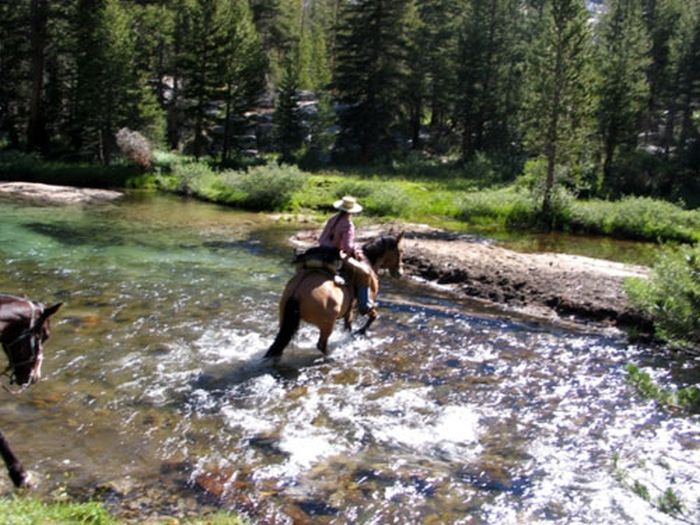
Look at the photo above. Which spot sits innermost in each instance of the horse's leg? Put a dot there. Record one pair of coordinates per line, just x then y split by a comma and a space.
347, 320
289, 323
326, 329
17, 473
371, 316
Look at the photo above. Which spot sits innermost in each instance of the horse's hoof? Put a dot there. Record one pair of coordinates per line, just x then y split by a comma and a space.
272, 360
22, 480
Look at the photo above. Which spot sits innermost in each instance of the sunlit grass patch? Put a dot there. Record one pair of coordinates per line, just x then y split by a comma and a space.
639, 218
30, 511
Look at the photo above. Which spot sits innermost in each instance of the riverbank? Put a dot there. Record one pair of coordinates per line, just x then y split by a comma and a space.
552, 286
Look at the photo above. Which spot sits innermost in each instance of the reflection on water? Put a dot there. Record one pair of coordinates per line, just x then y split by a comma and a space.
155, 389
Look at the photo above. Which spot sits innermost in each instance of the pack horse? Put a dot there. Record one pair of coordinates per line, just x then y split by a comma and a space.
24, 327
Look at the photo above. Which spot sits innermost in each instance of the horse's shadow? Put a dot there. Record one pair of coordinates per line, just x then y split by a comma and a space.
240, 373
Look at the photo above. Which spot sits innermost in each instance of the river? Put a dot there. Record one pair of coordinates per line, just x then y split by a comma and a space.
155, 398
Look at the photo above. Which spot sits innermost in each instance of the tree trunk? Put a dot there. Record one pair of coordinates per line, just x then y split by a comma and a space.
226, 145
37, 138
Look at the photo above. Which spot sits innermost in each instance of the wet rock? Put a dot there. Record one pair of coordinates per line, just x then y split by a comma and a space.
297, 515
159, 349
82, 320
268, 444
214, 482
345, 377
297, 393
54, 194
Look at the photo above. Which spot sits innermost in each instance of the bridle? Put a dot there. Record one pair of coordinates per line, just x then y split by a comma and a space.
34, 345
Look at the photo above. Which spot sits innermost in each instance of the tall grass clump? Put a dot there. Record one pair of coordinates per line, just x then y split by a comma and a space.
269, 187
30, 511
379, 198
671, 296
503, 206
640, 218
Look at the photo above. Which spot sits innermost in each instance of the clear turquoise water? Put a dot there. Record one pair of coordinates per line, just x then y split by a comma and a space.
154, 388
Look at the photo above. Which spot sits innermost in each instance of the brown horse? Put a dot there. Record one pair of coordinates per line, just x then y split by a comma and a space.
314, 296
24, 326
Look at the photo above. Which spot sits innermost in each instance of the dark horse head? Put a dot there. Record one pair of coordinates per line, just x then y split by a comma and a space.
385, 252
24, 326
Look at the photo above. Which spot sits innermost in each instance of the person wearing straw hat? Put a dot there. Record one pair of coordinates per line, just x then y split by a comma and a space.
339, 234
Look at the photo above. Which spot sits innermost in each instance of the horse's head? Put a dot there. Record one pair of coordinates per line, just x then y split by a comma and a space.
25, 326
386, 252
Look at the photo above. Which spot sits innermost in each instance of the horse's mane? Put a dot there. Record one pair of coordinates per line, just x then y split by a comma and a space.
375, 248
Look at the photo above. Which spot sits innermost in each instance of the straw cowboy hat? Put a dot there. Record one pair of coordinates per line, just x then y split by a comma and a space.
348, 204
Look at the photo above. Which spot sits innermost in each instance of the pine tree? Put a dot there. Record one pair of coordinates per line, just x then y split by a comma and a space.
687, 67
277, 23
320, 70
13, 70
559, 83
370, 75
624, 91
287, 118
244, 68
662, 20
488, 83
202, 66
437, 53
37, 135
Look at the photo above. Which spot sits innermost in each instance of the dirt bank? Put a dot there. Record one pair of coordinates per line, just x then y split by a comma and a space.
50, 194
544, 285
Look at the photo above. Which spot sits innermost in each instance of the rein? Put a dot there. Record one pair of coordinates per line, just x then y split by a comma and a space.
33, 345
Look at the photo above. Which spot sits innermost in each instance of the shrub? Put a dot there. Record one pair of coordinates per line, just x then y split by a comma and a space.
188, 178
481, 168
268, 187
135, 147
389, 200
672, 296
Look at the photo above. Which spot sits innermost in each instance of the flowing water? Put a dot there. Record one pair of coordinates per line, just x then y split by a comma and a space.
155, 398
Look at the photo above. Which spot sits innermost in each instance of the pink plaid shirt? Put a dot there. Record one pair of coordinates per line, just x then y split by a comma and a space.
339, 233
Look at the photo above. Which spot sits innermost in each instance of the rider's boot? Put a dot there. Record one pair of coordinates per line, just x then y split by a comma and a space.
365, 303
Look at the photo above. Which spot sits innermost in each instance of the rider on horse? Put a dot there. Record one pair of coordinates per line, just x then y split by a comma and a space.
337, 244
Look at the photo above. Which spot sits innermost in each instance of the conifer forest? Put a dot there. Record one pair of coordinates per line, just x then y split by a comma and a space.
605, 96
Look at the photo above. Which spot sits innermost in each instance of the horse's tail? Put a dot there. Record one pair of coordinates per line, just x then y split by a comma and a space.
288, 327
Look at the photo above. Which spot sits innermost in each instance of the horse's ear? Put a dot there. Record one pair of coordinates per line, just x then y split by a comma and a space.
49, 311
399, 236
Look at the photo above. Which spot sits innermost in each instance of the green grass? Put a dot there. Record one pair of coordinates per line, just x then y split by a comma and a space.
638, 218
31, 511
687, 398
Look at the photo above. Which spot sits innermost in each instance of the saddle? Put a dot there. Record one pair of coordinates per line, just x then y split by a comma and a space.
319, 258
